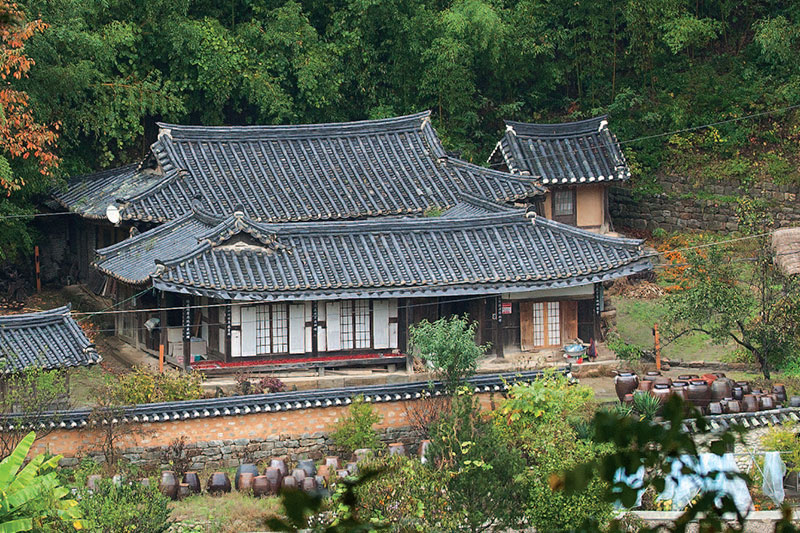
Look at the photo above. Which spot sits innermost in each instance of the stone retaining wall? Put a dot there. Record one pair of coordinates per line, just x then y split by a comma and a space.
683, 205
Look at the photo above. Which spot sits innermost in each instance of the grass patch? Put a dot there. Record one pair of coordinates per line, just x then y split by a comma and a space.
635, 319
229, 513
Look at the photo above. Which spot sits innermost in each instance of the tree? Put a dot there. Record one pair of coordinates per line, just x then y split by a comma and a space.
29, 398
448, 346
757, 309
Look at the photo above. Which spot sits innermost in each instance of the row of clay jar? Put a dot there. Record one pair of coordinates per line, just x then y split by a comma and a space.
711, 393
306, 475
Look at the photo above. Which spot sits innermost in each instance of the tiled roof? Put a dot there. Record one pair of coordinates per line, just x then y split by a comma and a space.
758, 419
573, 152
47, 339
311, 172
90, 195
287, 401
506, 251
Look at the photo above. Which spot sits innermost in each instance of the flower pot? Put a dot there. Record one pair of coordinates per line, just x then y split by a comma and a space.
244, 468
261, 486
625, 383
193, 480
168, 485
219, 483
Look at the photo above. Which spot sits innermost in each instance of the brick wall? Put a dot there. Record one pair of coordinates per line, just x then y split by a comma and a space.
226, 441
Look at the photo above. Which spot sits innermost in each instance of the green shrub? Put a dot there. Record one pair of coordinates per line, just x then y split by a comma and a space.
646, 404
356, 430
624, 350
142, 386
448, 347
484, 473
127, 507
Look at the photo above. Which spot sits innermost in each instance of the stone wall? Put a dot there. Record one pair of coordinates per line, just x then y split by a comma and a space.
225, 441
684, 205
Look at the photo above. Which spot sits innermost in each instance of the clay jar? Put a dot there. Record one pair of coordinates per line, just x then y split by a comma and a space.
168, 485
332, 462
92, 481
246, 482
779, 390
244, 468
721, 388
307, 465
645, 385
661, 391
425, 445
628, 400
193, 480
625, 383
184, 491
280, 464
397, 448
745, 385
738, 393
715, 408
767, 402
733, 406
699, 393
750, 403
309, 485
680, 389
261, 486
275, 478
218, 483
651, 375
289, 483
299, 475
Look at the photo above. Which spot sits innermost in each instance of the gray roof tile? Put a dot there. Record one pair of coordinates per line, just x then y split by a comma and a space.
308, 172
504, 251
573, 152
47, 339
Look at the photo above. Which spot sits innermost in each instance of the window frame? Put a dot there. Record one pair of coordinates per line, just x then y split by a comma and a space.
267, 319
350, 309
543, 326
562, 194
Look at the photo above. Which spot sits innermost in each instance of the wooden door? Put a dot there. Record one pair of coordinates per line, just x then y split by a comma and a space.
526, 325
569, 321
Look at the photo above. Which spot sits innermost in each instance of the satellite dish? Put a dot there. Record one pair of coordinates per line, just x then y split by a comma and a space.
112, 214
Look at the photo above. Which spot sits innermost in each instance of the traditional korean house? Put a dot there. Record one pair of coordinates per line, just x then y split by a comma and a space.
576, 161
236, 288
50, 340
314, 172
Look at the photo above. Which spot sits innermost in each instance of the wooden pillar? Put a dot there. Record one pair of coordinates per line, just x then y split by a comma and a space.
314, 328
498, 326
163, 342
402, 325
187, 333
228, 330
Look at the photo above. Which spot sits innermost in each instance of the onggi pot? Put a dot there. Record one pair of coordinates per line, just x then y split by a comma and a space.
219, 483
168, 485
625, 383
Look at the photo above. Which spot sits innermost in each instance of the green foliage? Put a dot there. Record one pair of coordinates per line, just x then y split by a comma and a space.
646, 405
759, 310
125, 508
783, 438
143, 386
448, 346
31, 396
31, 497
356, 430
535, 419
624, 350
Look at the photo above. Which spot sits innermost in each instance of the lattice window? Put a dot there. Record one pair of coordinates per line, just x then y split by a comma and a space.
356, 325
563, 202
553, 323
538, 324
546, 324
272, 328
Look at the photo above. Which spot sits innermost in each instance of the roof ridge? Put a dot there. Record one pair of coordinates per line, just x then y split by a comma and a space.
558, 129
25, 319
623, 241
399, 123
